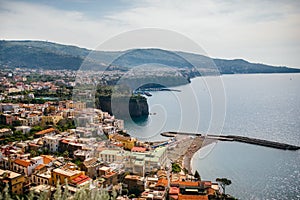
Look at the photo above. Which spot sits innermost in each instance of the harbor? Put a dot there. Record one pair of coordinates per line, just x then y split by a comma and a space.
235, 138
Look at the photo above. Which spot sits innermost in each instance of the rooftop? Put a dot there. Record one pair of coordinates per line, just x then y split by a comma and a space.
21, 162
43, 132
11, 174
66, 172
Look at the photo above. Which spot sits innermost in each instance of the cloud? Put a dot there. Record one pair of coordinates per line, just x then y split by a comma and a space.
259, 31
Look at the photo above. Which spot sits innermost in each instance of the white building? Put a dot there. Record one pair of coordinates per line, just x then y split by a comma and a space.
51, 142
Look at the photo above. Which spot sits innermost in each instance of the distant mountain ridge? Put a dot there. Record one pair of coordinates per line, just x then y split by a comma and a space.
49, 55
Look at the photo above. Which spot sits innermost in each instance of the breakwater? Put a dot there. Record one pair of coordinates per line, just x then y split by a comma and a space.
235, 138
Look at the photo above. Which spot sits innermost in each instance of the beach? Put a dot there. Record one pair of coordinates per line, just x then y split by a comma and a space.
184, 149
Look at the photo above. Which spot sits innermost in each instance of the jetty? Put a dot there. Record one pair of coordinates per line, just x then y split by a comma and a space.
237, 138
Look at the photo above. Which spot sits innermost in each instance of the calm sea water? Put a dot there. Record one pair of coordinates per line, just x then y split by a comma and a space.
264, 106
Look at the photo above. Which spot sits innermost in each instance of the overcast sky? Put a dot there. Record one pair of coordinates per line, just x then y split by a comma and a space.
258, 31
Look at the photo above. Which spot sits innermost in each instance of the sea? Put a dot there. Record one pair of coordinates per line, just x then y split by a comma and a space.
265, 106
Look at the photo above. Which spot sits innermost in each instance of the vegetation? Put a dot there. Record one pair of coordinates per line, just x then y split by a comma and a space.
65, 124
223, 183
197, 175
176, 168
59, 194
53, 56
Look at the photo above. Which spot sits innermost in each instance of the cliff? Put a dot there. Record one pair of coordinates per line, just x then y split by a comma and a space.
121, 108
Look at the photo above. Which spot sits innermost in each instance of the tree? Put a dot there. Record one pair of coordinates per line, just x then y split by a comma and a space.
33, 153
176, 168
66, 154
223, 183
197, 175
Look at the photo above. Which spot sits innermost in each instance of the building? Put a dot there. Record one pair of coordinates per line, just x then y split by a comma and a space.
70, 146
51, 142
111, 177
23, 129
26, 166
41, 175
112, 155
49, 131
65, 173
5, 132
141, 162
14, 180
134, 183
91, 166
138, 161
51, 119
128, 142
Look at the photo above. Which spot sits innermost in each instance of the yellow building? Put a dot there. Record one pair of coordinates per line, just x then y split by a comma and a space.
65, 173
75, 105
14, 180
52, 119
127, 142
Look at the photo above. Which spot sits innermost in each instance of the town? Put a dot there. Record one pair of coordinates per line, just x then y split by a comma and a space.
53, 146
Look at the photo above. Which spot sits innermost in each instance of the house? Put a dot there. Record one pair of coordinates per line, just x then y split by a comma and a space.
82, 154
69, 145
51, 119
15, 180
91, 166
134, 183
112, 155
23, 129
5, 132
41, 175
26, 166
146, 161
78, 182
128, 142
111, 177
65, 173
51, 142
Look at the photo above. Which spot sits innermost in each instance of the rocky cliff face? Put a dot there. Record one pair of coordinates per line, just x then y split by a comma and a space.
121, 108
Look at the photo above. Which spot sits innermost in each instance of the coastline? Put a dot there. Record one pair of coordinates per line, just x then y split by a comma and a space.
185, 148
196, 145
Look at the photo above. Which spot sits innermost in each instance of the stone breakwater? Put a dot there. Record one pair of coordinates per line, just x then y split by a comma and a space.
187, 144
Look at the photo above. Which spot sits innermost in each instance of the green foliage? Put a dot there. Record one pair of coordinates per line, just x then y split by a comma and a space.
223, 182
176, 168
65, 124
65, 154
77, 162
197, 175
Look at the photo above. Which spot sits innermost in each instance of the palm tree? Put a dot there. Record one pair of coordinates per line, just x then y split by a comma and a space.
223, 183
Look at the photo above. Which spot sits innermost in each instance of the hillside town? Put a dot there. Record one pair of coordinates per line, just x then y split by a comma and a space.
53, 144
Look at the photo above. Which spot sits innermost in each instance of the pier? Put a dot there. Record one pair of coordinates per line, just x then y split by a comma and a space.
236, 138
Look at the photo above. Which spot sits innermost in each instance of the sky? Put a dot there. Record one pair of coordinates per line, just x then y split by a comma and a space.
259, 31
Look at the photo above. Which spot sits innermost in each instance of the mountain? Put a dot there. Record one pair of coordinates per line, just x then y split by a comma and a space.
48, 55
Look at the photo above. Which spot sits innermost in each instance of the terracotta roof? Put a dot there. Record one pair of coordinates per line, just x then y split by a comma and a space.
189, 197
23, 163
64, 141
174, 190
41, 166
80, 179
43, 132
138, 149
109, 174
47, 159
162, 182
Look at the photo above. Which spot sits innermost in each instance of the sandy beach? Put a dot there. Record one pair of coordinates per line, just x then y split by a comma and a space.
184, 149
